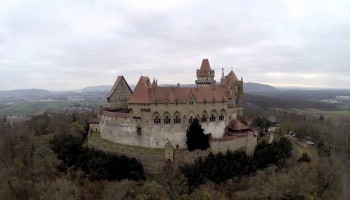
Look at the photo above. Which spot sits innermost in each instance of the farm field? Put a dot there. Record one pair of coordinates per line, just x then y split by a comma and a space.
29, 108
338, 115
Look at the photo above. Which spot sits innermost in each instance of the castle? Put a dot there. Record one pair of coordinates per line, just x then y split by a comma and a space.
155, 116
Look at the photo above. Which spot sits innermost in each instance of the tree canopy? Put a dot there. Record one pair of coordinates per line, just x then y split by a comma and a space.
97, 164
196, 139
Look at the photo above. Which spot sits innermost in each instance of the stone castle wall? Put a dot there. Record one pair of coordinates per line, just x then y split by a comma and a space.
153, 160
246, 144
124, 131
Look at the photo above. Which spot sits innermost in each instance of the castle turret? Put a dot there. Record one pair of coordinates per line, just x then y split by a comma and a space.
205, 75
222, 76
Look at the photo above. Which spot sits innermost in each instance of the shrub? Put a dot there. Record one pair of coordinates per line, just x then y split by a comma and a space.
304, 158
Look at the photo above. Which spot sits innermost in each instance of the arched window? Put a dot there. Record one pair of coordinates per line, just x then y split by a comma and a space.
177, 118
156, 118
166, 118
204, 116
222, 115
213, 115
212, 118
191, 118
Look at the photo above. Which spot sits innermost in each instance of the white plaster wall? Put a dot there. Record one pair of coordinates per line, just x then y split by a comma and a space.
154, 136
216, 129
123, 131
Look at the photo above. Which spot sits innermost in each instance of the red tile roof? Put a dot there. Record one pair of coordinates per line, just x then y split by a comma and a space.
145, 94
205, 68
239, 130
141, 92
237, 125
230, 79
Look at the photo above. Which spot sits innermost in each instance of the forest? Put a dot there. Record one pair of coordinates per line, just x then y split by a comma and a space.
46, 157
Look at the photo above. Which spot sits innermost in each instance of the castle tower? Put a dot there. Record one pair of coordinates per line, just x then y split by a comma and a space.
205, 75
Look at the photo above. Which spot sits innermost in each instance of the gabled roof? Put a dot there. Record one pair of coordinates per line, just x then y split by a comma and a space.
141, 92
116, 83
205, 68
230, 79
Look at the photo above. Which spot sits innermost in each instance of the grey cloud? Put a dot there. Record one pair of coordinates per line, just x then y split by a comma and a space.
73, 44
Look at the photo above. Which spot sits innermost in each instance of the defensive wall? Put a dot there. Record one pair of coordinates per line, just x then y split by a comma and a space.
121, 128
153, 159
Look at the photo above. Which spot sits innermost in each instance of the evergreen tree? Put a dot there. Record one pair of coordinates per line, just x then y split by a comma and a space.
304, 158
196, 139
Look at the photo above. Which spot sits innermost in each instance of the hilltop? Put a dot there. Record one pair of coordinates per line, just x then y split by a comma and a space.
24, 92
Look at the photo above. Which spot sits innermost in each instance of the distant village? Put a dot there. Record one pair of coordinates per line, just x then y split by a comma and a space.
61, 102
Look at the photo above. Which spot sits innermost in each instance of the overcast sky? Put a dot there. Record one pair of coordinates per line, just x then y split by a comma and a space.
66, 45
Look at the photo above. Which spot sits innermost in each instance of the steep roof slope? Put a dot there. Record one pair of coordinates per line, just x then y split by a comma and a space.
141, 92
204, 69
116, 83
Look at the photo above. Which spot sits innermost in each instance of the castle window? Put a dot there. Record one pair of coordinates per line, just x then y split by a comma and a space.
221, 117
157, 120
138, 130
166, 120
212, 118
203, 118
190, 120
177, 120
191, 102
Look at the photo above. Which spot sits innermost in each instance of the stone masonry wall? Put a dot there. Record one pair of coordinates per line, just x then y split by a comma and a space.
153, 160
124, 131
